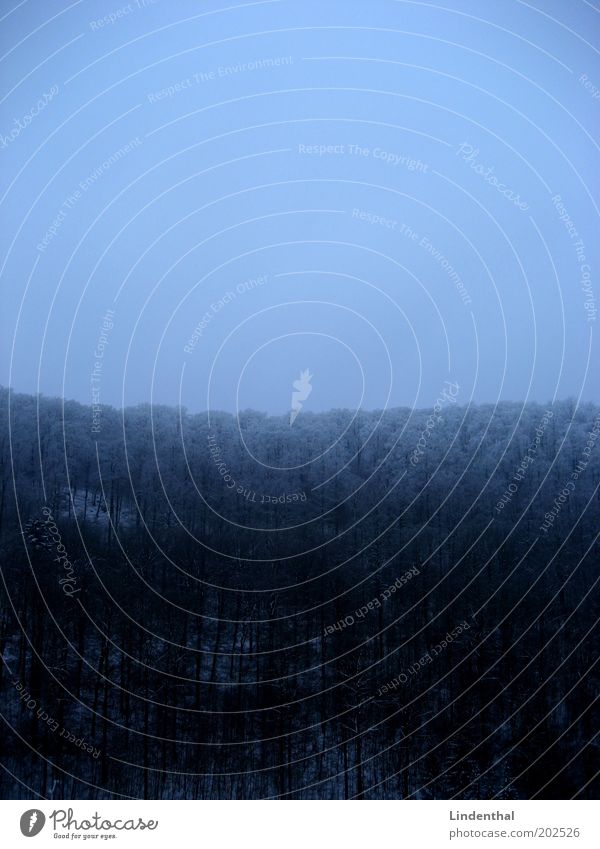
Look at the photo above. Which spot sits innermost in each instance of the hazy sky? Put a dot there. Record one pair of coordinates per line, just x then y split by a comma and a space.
389, 194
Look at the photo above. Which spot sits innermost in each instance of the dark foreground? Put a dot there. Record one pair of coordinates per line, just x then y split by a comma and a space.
411, 614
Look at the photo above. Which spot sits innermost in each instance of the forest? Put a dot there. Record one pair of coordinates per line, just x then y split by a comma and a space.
378, 604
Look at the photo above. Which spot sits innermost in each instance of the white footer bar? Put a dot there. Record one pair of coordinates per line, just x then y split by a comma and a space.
302, 825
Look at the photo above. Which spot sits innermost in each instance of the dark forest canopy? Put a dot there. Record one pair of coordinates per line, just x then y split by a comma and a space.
381, 603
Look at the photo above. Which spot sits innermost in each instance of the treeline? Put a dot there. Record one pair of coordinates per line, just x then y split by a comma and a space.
381, 604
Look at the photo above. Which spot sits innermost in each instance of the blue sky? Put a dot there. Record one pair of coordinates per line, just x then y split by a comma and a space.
369, 191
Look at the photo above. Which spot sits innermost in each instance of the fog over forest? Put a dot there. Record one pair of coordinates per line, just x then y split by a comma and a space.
299, 416
373, 604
